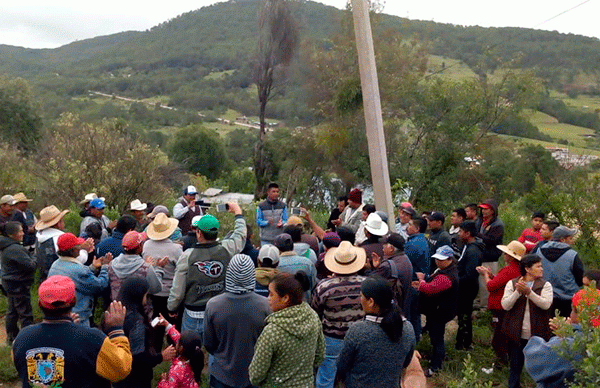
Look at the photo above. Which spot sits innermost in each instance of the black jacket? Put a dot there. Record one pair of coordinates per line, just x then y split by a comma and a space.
18, 267
491, 234
470, 258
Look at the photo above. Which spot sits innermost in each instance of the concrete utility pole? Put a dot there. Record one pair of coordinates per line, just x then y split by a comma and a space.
372, 107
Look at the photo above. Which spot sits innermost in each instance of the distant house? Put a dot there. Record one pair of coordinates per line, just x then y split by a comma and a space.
214, 196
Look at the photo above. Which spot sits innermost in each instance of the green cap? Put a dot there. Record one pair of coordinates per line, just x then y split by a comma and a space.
207, 223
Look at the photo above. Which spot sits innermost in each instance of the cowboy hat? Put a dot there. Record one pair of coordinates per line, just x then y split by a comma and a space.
20, 197
136, 204
89, 197
514, 249
49, 216
375, 225
162, 227
345, 259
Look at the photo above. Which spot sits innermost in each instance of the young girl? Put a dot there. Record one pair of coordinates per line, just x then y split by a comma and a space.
186, 369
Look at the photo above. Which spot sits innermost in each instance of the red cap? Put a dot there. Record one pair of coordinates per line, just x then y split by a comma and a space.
56, 292
133, 239
68, 241
485, 206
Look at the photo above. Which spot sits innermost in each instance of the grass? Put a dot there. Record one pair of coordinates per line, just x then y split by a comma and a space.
452, 68
550, 126
217, 75
573, 150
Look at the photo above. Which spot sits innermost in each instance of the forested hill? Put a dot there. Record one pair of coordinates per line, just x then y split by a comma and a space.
223, 36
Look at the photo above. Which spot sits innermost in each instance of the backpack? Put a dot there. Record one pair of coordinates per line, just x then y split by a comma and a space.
46, 255
396, 284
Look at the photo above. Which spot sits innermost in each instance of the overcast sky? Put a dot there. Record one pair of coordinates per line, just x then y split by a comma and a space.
48, 24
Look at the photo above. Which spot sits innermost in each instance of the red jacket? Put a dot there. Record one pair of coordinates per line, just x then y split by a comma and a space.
497, 283
530, 238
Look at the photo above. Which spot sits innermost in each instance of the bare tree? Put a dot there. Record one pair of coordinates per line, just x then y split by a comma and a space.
277, 42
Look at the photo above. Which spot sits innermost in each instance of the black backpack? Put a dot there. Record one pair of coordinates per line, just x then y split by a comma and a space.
396, 284
46, 255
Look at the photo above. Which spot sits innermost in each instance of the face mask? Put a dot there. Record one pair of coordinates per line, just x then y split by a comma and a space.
83, 256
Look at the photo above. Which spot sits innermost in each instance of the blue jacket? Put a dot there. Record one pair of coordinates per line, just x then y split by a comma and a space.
87, 284
417, 250
112, 244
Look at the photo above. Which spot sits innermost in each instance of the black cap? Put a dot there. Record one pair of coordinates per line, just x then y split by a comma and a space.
284, 242
394, 239
436, 216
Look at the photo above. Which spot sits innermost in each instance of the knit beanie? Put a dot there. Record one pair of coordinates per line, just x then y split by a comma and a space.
355, 196
240, 276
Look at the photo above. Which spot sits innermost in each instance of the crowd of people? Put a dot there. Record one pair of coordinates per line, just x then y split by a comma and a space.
313, 305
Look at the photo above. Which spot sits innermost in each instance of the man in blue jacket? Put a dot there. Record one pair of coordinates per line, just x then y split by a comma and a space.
417, 250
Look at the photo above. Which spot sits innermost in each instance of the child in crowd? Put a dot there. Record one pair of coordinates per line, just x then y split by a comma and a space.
186, 367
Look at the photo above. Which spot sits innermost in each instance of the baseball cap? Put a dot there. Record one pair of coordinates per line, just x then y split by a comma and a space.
563, 232
409, 210
68, 241
207, 223
436, 216
133, 239
97, 203
56, 292
190, 190
284, 242
269, 251
394, 239
7, 200
443, 253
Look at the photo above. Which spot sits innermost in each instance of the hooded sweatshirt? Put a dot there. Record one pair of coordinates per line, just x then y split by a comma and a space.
471, 257
303, 249
492, 234
289, 348
264, 275
562, 268
125, 266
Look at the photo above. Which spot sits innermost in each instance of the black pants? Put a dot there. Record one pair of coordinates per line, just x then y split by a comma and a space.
466, 296
499, 341
517, 360
19, 309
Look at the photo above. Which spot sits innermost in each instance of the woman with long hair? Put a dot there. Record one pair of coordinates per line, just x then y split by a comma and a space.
137, 328
377, 349
292, 344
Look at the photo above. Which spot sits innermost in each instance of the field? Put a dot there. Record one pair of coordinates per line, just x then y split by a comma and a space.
550, 126
452, 68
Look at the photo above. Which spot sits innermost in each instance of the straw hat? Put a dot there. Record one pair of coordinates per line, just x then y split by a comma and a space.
514, 249
345, 259
89, 197
49, 216
162, 227
20, 197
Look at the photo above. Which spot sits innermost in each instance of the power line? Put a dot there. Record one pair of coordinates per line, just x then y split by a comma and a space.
496, 44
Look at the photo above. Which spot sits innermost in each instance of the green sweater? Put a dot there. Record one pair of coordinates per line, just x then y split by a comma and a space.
289, 348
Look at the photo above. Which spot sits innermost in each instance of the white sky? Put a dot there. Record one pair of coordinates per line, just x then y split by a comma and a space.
48, 24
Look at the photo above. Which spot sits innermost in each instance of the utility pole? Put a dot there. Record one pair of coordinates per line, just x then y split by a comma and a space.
372, 107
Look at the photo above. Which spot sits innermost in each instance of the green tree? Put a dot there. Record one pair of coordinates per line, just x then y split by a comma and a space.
20, 122
75, 158
200, 150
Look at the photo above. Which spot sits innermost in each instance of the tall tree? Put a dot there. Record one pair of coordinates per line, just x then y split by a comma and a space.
277, 41
20, 122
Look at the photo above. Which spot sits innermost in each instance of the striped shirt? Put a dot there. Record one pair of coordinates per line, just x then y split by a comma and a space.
337, 301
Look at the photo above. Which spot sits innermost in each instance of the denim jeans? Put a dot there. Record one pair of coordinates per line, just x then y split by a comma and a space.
328, 368
436, 334
412, 312
189, 322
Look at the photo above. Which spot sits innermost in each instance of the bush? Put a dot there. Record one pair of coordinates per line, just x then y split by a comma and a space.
77, 158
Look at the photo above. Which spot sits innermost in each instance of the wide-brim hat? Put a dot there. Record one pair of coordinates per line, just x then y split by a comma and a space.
21, 197
345, 259
514, 249
375, 225
49, 216
136, 204
88, 198
162, 227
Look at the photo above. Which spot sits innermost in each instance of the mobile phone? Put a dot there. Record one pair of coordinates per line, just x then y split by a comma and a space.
155, 322
222, 207
296, 211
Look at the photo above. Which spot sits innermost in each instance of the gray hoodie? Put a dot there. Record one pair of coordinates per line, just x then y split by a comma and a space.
125, 265
303, 249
